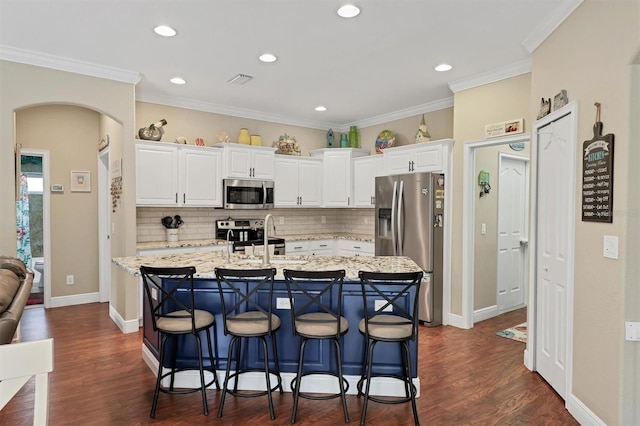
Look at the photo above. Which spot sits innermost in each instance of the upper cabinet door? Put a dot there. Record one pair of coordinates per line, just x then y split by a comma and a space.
263, 165
398, 162
337, 179
200, 177
310, 182
428, 158
156, 174
286, 182
365, 170
238, 162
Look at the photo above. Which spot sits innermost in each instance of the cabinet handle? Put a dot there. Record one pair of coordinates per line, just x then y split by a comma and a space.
323, 245
297, 247
357, 247
184, 198
176, 198
300, 200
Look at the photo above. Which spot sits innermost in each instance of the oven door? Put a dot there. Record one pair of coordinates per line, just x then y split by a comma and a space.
248, 194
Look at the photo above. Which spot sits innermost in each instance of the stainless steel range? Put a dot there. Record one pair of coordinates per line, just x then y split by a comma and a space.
247, 233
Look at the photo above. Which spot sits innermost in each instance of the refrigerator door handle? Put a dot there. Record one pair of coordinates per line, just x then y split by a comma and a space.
400, 220
394, 200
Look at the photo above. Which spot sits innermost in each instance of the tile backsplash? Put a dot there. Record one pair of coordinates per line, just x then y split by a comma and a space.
200, 223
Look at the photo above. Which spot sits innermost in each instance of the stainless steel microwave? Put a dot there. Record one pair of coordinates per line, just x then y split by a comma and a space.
248, 194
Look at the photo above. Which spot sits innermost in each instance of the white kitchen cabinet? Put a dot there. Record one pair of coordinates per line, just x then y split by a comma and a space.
322, 247
298, 181
337, 174
355, 248
247, 161
365, 170
298, 248
177, 175
421, 157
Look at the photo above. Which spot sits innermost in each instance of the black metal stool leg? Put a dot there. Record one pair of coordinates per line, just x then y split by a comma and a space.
226, 376
276, 362
154, 404
267, 377
203, 388
238, 363
297, 380
341, 381
174, 355
368, 387
212, 361
405, 346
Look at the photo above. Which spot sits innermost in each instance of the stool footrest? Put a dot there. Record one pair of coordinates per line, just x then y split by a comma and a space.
167, 390
314, 396
389, 399
250, 394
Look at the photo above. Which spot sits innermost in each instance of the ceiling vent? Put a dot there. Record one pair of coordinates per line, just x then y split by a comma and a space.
239, 79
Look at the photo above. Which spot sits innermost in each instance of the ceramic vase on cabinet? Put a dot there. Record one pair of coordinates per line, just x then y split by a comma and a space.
353, 137
344, 142
244, 137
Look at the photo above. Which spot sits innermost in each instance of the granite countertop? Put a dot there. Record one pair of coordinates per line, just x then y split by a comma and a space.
178, 244
333, 236
154, 245
205, 263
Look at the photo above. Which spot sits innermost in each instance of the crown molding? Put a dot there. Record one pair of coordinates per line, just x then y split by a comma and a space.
492, 76
227, 110
547, 27
46, 60
400, 114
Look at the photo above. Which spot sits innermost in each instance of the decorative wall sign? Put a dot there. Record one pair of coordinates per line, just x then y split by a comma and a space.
545, 108
104, 142
597, 175
560, 100
504, 128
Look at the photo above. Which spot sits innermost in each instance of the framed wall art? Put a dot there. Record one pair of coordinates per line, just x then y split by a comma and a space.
80, 181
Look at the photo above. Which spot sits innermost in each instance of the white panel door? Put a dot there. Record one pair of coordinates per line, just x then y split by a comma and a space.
310, 182
554, 248
286, 181
512, 225
156, 174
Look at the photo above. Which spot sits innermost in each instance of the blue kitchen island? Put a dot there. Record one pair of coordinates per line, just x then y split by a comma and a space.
318, 353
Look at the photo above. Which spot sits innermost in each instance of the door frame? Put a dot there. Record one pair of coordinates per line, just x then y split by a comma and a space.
46, 219
525, 249
104, 219
469, 184
530, 351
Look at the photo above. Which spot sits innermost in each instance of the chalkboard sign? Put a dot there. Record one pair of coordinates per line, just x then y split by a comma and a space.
597, 177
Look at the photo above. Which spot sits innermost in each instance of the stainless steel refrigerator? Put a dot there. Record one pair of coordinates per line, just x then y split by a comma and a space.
409, 222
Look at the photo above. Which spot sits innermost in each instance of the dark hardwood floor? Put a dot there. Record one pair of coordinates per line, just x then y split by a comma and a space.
468, 377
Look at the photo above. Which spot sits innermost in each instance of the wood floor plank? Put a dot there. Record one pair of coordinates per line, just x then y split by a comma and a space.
468, 377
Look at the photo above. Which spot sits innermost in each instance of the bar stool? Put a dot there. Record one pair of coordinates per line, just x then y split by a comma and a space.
170, 296
400, 324
313, 318
239, 290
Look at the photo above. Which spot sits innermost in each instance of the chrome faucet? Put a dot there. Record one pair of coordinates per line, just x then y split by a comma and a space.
265, 259
229, 234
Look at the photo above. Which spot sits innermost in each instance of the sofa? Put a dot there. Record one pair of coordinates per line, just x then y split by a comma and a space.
15, 286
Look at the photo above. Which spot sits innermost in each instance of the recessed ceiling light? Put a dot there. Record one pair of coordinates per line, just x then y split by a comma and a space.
178, 80
443, 67
165, 30
348, 11
320, 108
268, 57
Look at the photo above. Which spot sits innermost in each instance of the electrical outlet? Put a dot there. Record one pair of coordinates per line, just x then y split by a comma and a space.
281, 220
283, 303
70, 279
380, 303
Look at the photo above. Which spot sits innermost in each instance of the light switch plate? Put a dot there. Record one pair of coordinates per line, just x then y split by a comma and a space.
610, 247
632, 331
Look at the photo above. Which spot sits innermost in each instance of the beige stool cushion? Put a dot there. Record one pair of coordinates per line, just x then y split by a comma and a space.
177, 325
387, 327
320, 324
251, 323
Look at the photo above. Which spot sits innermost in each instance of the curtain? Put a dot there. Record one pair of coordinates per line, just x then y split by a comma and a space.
22, 223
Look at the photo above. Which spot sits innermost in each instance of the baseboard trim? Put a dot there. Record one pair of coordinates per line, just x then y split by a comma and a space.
75, 299
485, 313
319, 383
125, 326
582, 413
456, 321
